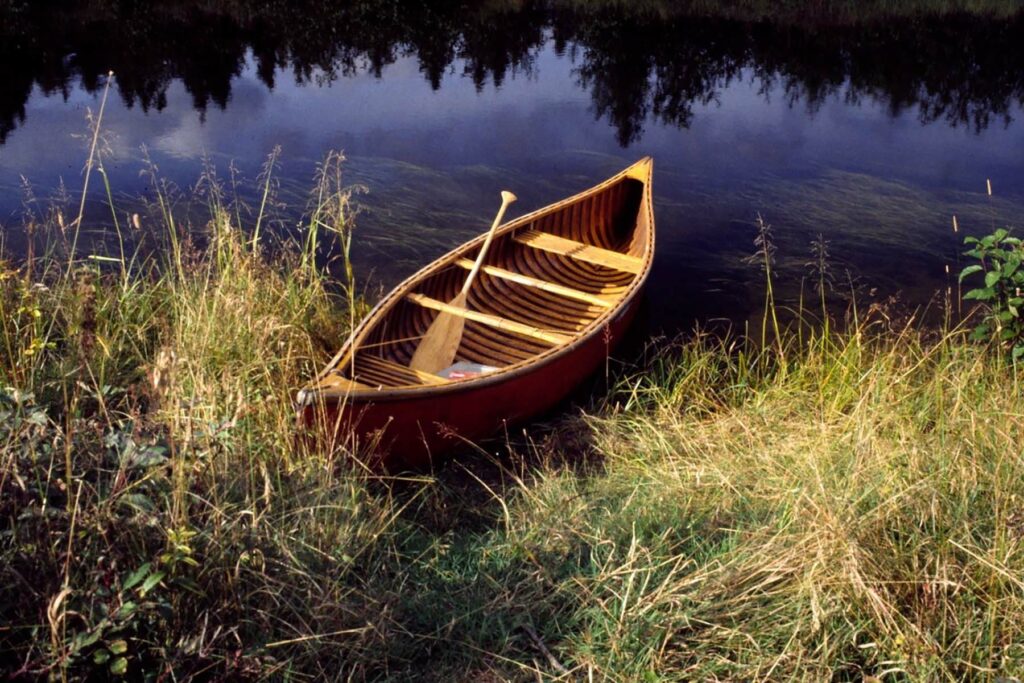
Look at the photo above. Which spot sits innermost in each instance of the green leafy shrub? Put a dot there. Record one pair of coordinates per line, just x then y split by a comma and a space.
1000, 256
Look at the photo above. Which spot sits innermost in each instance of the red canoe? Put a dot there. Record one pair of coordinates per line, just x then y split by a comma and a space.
558, 288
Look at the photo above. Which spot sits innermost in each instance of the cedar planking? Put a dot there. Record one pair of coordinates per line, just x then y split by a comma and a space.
558, 287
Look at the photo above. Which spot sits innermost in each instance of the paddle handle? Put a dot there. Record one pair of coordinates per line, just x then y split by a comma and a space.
506, 199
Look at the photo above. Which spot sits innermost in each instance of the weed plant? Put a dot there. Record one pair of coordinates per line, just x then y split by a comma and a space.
1000, 256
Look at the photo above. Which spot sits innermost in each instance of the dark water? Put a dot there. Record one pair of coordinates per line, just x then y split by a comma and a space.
869, 132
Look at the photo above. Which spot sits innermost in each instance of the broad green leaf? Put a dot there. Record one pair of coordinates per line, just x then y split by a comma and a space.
136, 576
151, 581
119, 667
970, 270
991, 278
980, 333
1017, 352
84, 640
127, 609
100, 657
118, 647
980, 294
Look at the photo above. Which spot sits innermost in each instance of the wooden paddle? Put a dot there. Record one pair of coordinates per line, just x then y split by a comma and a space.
438, 346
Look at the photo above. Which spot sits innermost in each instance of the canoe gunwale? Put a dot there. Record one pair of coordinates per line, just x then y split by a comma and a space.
641, 170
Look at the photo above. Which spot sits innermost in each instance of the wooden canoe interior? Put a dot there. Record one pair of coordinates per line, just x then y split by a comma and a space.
541, 285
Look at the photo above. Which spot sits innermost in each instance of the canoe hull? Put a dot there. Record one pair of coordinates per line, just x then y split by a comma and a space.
411, 432
557, 291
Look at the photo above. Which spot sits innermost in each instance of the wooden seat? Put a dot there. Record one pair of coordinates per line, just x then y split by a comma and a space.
548, 336
579, 251
553, 287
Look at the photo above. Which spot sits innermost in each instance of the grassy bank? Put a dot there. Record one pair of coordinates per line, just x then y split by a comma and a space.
837, 507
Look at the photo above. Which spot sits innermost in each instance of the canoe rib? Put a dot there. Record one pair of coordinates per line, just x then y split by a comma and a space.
401, 371
580, 251
545, 285
342, 384
491, 320
373, 372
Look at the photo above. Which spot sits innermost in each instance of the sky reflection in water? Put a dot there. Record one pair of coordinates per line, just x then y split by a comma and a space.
880, 188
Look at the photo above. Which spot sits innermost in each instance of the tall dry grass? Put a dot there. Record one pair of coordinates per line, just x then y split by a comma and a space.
843, 505
855, 511
159, 515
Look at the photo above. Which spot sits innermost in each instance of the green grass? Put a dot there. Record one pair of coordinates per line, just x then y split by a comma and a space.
836, 506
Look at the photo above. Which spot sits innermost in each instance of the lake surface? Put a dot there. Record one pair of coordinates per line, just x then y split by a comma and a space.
866, 132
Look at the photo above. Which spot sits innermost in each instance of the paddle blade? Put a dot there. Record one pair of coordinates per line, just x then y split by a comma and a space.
438, 347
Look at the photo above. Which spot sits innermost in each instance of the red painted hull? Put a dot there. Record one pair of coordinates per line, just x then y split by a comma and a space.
411, 432
563, 286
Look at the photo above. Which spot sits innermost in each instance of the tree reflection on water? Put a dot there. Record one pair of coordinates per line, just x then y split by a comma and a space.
638, 65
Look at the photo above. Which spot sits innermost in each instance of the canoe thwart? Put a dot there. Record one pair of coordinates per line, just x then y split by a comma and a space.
436, 350
582, 252
548, 336
545, 285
